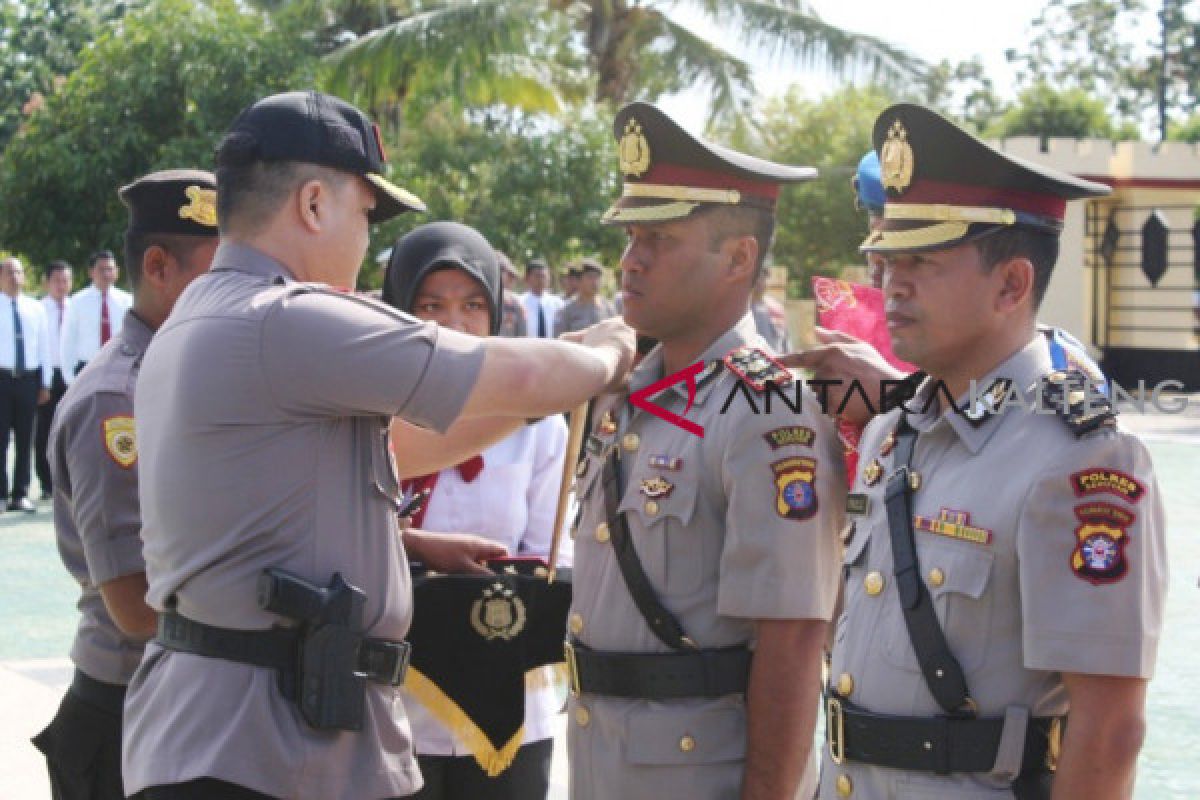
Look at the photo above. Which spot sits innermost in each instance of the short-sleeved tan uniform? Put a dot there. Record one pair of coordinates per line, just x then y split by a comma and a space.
722, 548
262, 415
1044, 553
93, 456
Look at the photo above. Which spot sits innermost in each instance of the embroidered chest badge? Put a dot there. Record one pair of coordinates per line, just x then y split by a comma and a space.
954, 524
795, 484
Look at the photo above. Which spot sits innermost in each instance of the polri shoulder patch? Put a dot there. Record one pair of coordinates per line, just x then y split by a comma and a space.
1098, 480
796, 487
756, 368
120, 440
790, 435
1100, 540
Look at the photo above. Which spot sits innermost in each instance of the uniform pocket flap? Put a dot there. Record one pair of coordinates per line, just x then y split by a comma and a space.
960, 570
656, 497
670, 736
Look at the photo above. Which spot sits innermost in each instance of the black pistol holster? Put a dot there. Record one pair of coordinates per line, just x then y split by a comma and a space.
322, 664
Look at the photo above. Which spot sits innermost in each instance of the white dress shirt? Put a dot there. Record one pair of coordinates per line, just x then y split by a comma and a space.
512, 501
81, 330
33, 330
54, 327
550, 304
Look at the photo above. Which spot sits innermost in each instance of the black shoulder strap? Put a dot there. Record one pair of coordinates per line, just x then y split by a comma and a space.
661, 621
943, 674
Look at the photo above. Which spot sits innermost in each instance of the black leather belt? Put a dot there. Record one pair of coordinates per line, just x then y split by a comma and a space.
652, 676
108, 697
930, 744
381, 660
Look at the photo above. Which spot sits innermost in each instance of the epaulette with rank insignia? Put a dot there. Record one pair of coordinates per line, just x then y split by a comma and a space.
1065, 393
756, 368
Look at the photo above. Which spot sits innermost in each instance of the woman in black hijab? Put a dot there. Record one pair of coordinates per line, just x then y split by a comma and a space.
500, 502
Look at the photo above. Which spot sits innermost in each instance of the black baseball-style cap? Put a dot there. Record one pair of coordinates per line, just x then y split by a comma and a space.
173, 201
945, 187
316, 128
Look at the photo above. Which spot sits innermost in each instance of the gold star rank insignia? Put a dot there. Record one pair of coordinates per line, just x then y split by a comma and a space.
120, 440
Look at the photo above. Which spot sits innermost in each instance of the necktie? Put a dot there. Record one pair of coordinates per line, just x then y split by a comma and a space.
105, 325
62, 309
18, 343
541, 320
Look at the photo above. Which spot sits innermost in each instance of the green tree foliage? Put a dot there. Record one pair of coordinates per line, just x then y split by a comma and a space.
819, 228
40, 44
635, 49
1099, 46
1046, 112
532, 187
1186, 131
156, 91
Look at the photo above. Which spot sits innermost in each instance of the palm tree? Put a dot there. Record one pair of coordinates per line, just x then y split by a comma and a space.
633, 49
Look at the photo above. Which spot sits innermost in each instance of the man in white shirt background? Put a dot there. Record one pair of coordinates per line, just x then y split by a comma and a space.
54, 303
95, 315
24, 378
541, 305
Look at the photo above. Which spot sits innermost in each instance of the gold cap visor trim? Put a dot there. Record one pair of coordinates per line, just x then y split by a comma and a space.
946, 213
692, 194
664, 212
403, 197
941, 234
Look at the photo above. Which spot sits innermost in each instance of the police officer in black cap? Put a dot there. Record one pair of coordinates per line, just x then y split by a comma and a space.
171, 238
1007, 562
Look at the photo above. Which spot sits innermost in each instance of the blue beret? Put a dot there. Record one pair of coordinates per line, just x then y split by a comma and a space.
869, 185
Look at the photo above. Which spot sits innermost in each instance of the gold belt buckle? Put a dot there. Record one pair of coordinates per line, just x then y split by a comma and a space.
835, 729
572, 668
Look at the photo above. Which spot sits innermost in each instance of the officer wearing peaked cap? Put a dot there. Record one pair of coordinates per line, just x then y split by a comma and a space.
1006, 568
269, 497
706, 566
93, 451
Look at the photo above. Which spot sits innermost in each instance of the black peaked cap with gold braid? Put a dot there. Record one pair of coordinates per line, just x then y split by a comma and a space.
945, 186
669, 173
173, 201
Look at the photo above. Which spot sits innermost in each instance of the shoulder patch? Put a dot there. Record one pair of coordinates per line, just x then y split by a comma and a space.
1101, 480
120, 440
1100, 540
790, 435
756, 368
1065, 393
796, 487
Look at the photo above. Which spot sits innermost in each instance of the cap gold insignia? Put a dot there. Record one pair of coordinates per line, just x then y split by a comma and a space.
634, 150
498, 613
896, 159
201, 207
120, 440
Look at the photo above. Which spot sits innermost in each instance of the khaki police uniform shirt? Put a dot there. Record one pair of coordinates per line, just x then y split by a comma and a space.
578, 314
93, 459
262, 412
1000, 520
720, 551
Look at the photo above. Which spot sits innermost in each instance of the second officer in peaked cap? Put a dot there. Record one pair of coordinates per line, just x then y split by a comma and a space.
1006, 565
706, 550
